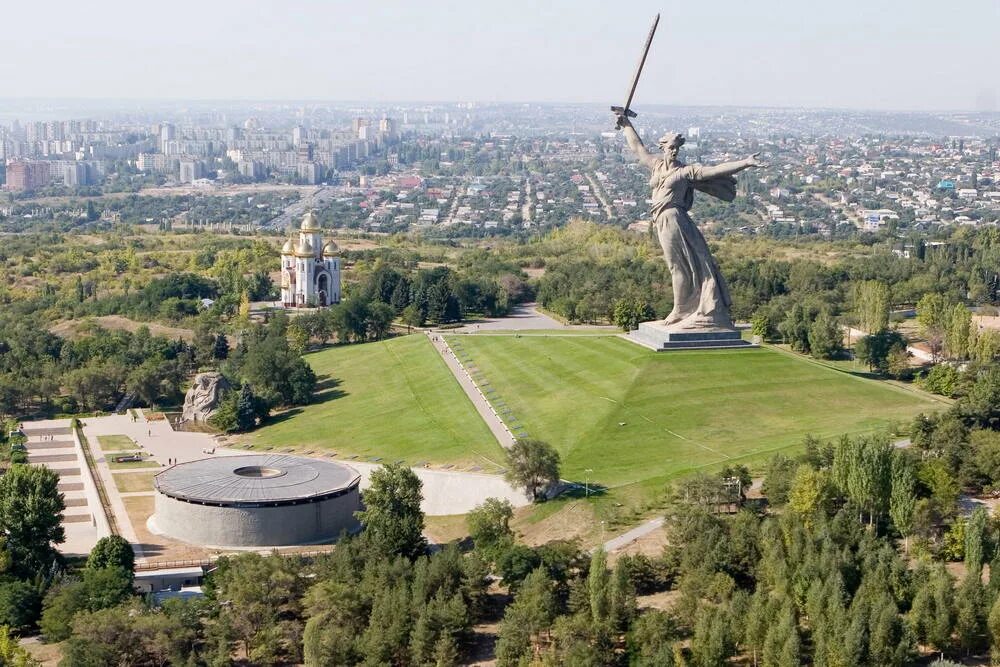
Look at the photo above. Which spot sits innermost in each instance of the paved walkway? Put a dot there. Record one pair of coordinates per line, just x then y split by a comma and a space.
631, 536
471, 389
53, 444
522, 317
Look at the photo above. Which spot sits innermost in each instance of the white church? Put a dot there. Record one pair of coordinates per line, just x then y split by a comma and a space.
310, 271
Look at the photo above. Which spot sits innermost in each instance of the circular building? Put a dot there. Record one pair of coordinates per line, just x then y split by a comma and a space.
256, 501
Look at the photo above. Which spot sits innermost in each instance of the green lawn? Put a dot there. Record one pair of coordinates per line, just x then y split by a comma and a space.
635, 416
115, 443
393, 399
114, 465
139, 481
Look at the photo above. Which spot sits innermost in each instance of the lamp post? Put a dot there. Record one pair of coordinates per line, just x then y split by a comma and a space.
586, 483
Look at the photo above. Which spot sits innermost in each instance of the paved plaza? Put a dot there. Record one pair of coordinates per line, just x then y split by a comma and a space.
131, 496
53, 444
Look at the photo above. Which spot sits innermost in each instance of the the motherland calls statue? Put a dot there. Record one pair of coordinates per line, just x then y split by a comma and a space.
701, 297
205, 396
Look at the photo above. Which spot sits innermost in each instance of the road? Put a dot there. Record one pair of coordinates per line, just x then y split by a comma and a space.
595, 187
293, 214
526, 207
522, 317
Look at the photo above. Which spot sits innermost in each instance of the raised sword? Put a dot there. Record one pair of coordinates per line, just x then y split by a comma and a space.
627, 110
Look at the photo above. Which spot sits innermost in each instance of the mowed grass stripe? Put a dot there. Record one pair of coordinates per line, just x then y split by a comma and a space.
399, 401
536, 368
633, 415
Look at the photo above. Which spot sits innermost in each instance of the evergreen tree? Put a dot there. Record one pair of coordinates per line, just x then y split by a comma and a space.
598, 585
993, 624
246, 409
902, 495
975, 541
221, 349
970, 614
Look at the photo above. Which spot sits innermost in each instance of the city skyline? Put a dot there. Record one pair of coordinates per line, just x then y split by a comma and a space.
850, 56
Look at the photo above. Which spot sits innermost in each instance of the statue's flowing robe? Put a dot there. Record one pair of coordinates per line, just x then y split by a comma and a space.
701, 296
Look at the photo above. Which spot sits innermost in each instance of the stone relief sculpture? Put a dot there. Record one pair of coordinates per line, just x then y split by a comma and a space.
205, 396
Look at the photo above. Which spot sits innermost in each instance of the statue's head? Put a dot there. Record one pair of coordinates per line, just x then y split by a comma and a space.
671, 143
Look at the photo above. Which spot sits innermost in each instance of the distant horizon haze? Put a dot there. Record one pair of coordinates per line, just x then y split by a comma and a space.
847, 56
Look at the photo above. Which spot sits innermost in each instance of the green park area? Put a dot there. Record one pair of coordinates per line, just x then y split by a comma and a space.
393, 399
635, 416
115, 443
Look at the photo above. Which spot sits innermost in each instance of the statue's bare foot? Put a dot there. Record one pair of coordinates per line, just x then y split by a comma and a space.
673, 318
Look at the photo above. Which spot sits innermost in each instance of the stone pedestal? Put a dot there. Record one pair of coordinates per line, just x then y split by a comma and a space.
659, 337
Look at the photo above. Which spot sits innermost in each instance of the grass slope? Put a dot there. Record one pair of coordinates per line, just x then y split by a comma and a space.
632, 415
393, 399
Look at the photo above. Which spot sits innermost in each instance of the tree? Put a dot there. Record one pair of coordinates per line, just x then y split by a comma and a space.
298, 338
932, 316
871, 299
976, 541
20, 605
970, 616
12, 653
531, 613
112, 551
392, 519
489, 526
993, 624
761, 325
874, 349
246, 409
534, 465
380, 316
902, 495
825, 337
809, 492
254, 595
220, 350
650, 640
31, 509
941, 379
778, 477
957, 333
413, 316
628, 313
862, 468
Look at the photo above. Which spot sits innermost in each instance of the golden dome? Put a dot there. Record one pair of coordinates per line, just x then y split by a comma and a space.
310, 223
305, 249
288, 248
330, 249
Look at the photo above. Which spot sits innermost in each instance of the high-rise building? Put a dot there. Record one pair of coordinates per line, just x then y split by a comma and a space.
309, 172
251, 169
298, 135
167, 133
305, 152
387, 126
25, 175
191, 170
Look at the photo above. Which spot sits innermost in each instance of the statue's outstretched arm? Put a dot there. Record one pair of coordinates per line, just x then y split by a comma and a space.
635, 143
729, 168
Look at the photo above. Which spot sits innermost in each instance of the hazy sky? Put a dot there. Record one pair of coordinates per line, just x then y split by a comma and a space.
882, 54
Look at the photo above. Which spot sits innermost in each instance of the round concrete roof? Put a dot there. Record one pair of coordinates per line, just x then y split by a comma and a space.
271, 479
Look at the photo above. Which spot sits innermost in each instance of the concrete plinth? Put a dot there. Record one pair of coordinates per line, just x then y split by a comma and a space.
659, 337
